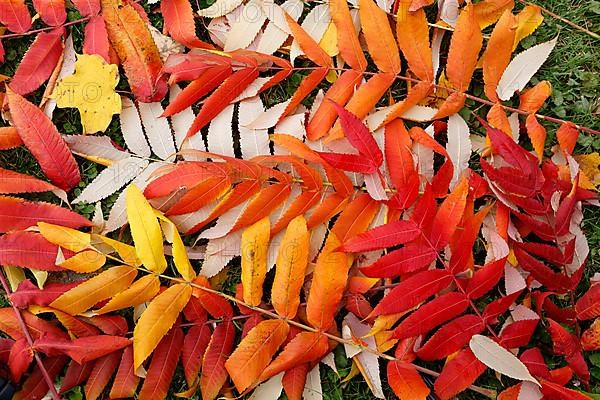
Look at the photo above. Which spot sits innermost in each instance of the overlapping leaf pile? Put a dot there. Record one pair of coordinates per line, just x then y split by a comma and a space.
445, 243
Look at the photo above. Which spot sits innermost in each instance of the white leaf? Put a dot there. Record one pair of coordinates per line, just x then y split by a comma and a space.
329, 360
219, 8
292, 125
225, 222
185, 222
529, 391
269, 390
450, 11
131, 128
499, 359
252, 89
253, 142
513, 121
95, 146
273, 36
181, 121
522, 68
157, 130
246, 27
112, 179
220, 139
165, 44
315, 24
270, 117
276, 15
458, 146
67, 68
513, 280
424, 157
219, 252
312, 387
436, 47
375, 187
118, 213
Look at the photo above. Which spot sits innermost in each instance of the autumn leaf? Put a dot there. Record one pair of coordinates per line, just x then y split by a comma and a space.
91, 89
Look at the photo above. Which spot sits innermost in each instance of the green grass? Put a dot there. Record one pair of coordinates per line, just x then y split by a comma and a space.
572, 69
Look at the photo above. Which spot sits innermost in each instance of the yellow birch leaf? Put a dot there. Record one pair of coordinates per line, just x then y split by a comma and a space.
145, 231
156, 321
91, 89
142, 290
255, 245
100, 287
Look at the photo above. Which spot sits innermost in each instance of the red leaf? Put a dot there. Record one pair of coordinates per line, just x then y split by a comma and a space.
543, 274
458, 374
553, 391
162, 367
194, 312
179, 23
518, 333
349, 162
35, 386
381, 237
410, 292
512, 153
126, 380
96, 38
485, 279
432, 314
222, 96
82, 349
21, 356
588, 306
43, 140
406, 382
87, 7
18, 214
534, 361
36, 326
5, 346
359, 136
38, 63
14, 182
52, 11
398, 154
103, 370
110, 324
29, 294
410, 258
194, 345
214, 304
499, 306
214, 375
9, 137
15, 15
29, 250
568, 345
294, 381
76, 374
451, 337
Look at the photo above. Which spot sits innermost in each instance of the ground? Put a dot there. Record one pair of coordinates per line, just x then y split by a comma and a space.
572, 69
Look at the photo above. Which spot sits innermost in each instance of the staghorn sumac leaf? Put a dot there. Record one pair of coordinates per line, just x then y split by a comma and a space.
162, 367
214, 304
102, 372
44, 141
100, 287
17, 214
82, 349
379, 37
449, 215
36, 326
15, 182
255, 245
588, 306
388, 235
214, 375
432, 314
87, 7
412, 291
451, 337
126, 380
140, 291
569, 346
195, 344
464, 50
96, 38
179, 23
292, 261
35, 387
28, 250
15, 15
157, 320
29, 294
19, 359
254, 352
412, 33
485, 279
406, 381
458, 374
75, 375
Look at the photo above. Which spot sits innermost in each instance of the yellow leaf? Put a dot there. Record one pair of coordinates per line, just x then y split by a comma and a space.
255, 244
91, 89
180, 258
107, 246
590, 166
67, 238
100, 287
142, 290
329, 41
15, 276
528, 20
292, 261
156, 321
84, 262
145, 231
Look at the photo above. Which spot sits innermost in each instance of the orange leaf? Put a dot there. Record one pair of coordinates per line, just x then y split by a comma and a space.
255, 245
356, 218
412, 33
567, 135
100, 287
9, 138
308, 45
498, 119
449, 215
268, 200
497, 54
380, 39
157, 320
292, 261
255, 352
179, 23
102, 371
406, 381
329, 281
348, 43
201, 195
537, 135
142, 290
304, 348
464, 49
214, 374
139, 55
126, 380
488, 11
533, 99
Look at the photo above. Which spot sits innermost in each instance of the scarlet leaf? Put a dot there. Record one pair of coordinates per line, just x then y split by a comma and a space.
35, 387
76, 374
87, 7
103, 370
388, 235
162, 367
28, 250
411, 291
588, 306
219, 348
43, 140
451, 337
406, 381
15, 15
82, 349
37, 327
432, 314
195, 344
449, 215
29, 294
179, 22
21, 356
458, 374
52, 11
96, 38
349, 162
485, 279
125, 381
411, 258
